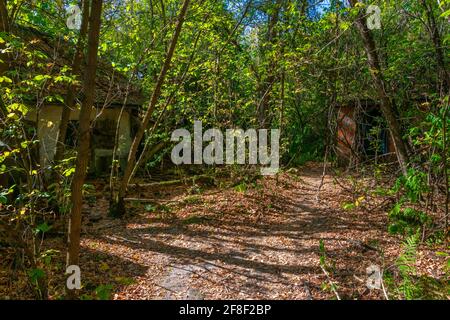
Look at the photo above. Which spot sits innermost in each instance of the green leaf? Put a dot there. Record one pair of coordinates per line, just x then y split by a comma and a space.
36, 274
442, 254
103, 292
348, 206
44, 227
445, 14
242, 187
68, 172
18, 107
3, 199
5, 79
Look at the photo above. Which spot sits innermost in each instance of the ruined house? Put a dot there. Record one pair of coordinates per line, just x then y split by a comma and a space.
361, 133
115, 98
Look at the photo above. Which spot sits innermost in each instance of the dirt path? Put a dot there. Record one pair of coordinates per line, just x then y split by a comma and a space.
254, 244
258, 241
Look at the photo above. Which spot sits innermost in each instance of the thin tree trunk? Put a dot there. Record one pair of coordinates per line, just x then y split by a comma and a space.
72, 88
387, 106
442, 71
267, 85
147, 153
118, 206
84, 139
444, 78
282, 96
4, 27
445, 162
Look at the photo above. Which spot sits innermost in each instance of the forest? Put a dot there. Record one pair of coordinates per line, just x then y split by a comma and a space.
224, 149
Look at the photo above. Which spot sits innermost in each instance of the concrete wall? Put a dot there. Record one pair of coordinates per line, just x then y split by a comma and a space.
48, 120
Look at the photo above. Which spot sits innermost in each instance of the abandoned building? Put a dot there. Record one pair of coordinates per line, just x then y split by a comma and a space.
361, 133
112, 90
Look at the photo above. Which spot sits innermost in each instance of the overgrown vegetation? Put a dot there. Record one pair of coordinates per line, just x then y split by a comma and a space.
312, 69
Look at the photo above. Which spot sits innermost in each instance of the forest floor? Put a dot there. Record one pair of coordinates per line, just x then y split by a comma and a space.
260, 241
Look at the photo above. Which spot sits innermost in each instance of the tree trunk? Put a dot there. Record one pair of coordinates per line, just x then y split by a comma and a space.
266, 86
117, 206
4, 27
72, 88
442, 71
84, 139
387, 106
444, 77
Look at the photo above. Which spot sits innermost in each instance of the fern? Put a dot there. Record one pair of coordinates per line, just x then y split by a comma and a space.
407, 221
406, 266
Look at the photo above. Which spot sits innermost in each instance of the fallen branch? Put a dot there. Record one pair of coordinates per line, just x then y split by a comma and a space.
362, 245
331, 283
308, 291
163, 183
149, 200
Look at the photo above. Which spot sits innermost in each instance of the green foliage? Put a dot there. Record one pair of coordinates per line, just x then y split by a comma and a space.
103, 292
349, 206
402, 218
194, 219
406, 266
150, 208
241, 187
414, 184
35, 275
225, 70
322, 252
407, 221
125, 281
194, 199
407, 284
328, 264
436, 238
47, 256
43, 227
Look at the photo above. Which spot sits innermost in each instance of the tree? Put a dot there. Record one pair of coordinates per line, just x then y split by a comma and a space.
82, 159
433, 29
118, 206
4, 27
267, 81
387, 105
69, 102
